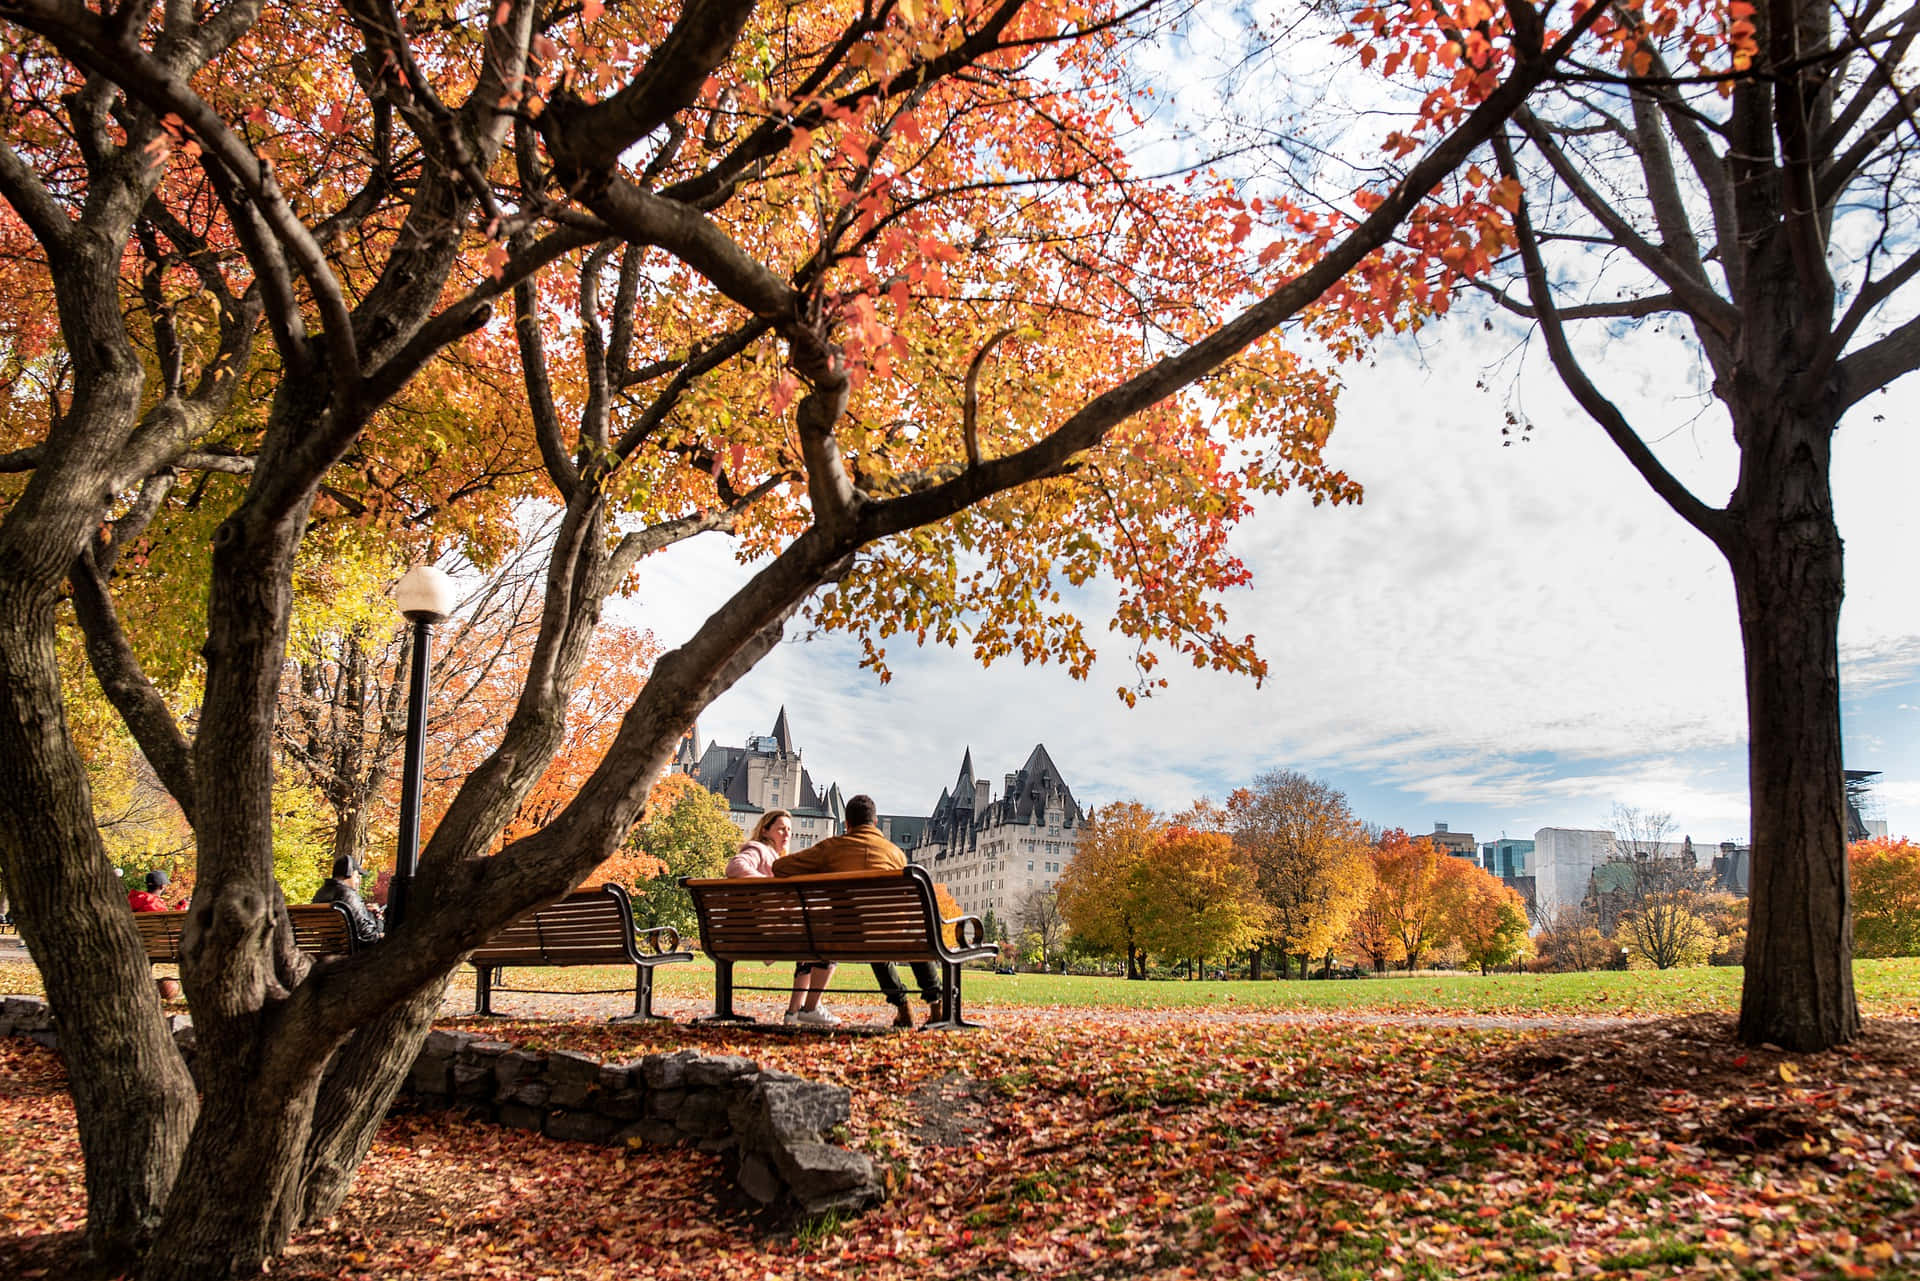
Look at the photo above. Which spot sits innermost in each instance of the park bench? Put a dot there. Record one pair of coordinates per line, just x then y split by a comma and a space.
836, 916
319, 929
589, 927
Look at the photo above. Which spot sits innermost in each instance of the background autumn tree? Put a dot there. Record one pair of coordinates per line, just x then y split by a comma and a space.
1310, 862
875, 291
687, 830
1041, 925
1197, 898
1485, 917
1100, 895
1738, 181
1569, 938
1886, 897
1409, 875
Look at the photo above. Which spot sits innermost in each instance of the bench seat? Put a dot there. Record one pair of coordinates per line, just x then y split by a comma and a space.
319, 929
837, 916
587, 927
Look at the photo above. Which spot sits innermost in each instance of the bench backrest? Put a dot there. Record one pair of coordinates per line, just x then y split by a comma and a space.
319, 929
839, 916
587, 927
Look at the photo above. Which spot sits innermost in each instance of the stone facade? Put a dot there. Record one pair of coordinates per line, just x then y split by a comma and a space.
775, 1128
767, 774
992, 854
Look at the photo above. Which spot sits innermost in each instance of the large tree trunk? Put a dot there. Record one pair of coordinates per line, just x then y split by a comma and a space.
231, 1205
133, 1100
1786, 559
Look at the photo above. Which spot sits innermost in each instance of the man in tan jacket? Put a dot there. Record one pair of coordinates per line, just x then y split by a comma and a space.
861, 848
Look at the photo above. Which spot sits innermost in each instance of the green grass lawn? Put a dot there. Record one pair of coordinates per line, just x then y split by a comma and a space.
1886, 988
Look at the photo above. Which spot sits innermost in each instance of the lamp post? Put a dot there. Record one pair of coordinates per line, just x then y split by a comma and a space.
425, 595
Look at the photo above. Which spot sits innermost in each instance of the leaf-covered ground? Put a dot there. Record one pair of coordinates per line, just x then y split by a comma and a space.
1108, 1144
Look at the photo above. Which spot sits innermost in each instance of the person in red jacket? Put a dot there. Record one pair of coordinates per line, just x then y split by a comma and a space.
149, 900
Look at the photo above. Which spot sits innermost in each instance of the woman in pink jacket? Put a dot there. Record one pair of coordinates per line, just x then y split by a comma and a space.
756, 858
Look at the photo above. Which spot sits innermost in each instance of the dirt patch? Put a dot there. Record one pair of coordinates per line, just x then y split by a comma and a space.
950, 1111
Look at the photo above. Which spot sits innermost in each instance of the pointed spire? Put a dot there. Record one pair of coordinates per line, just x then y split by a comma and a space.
781, 733
966, 773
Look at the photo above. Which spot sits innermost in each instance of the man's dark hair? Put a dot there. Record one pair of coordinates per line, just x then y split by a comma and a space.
344, 868
861, 811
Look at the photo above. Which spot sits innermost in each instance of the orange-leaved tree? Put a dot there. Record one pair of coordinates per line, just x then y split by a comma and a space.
1487, 918
1886, 897
1409, 876
1197, 897
874, 289
1100, 893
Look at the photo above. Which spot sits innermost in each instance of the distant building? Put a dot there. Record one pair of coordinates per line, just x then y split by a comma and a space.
1564, 859
765, 774
1458, 844
1507, 858
992, 854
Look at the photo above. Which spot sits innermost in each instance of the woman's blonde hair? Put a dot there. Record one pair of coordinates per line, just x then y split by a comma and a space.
767, 820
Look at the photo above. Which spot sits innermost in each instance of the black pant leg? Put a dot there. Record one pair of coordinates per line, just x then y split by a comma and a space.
890, 985
928, 978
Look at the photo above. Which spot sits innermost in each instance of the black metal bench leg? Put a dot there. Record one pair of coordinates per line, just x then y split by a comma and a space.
483, 991
642, 999
723, 997
950, 980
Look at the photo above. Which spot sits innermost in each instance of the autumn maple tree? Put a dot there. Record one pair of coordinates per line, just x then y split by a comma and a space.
875, 290
1309, 856
1886, 897
1099, 891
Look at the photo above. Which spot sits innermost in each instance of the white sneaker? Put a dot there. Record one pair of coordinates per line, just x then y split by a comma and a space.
814, 1018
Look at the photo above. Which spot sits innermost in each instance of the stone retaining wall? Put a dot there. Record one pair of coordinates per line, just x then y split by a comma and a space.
775, 1129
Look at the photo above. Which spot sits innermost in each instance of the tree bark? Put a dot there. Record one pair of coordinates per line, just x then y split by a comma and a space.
359, 1086
134, 1103
1786, 559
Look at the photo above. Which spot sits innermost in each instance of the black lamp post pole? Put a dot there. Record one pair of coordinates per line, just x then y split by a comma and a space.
407, 858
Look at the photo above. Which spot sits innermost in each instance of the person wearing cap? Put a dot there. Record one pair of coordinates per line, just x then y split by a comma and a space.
344, 889
149, 900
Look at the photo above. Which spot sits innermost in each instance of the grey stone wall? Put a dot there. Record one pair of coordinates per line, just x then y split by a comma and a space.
775, 1129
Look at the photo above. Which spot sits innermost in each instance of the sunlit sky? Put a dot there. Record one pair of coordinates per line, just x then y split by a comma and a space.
1500, 638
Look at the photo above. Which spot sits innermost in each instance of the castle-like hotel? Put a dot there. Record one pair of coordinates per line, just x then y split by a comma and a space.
992, 855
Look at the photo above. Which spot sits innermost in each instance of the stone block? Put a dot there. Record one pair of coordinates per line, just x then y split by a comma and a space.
580, 1127
473, 1081
515, 1067
665, 1104
447, 1042
575, 1079
822, 1177
615, 1077
520, 1117
666, 1071
719, 1069
432, 1073
626, 1105
791, 1111
702, 1114
531, 1094
757, 1179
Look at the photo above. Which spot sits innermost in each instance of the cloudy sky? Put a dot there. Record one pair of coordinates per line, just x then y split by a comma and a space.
1500, 638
